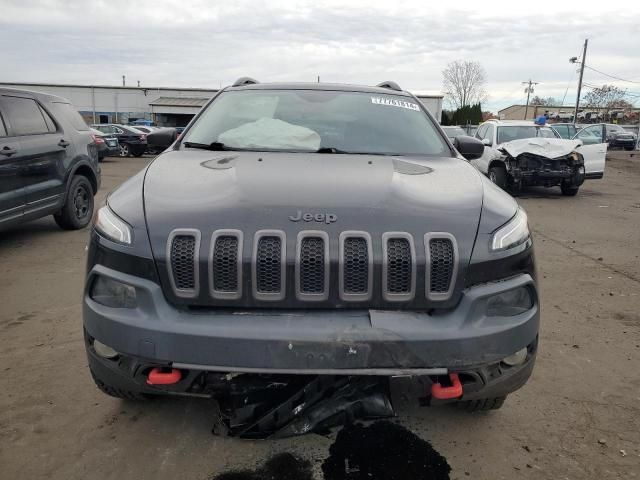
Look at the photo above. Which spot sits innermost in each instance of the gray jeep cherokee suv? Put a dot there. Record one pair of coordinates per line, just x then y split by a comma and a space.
298, 230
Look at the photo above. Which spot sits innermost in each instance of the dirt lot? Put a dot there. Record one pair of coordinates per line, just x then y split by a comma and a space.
579, 417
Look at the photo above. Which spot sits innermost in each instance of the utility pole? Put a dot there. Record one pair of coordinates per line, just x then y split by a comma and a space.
575, 60
529, 91
123, 77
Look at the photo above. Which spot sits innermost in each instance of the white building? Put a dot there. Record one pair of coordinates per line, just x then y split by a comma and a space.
164, 106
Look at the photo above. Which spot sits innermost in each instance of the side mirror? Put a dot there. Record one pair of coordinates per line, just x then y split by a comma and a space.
162, 138
486, 142
469, 147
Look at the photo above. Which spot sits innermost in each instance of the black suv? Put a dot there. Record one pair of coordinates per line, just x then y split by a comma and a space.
311, 230
131, 141
48, 161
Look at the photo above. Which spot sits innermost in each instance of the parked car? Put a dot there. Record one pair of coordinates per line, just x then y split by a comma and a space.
619, 137
144, 128
48, 160
159, 140
131, 141
548, 164
107, 144
453, 132
565, 130
339, 234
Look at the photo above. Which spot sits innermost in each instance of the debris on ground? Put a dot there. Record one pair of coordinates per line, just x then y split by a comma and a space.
295, 405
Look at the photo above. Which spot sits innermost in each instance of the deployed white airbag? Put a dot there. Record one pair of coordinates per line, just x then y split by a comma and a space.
272, 134
543, 147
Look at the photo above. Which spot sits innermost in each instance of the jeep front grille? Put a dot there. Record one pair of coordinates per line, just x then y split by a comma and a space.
183, 247
365, 269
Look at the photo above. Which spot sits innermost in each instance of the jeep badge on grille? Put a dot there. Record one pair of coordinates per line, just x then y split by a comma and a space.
314, 217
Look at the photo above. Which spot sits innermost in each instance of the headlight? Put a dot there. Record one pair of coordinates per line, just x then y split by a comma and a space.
512, 234
111, 227
510, 303
112, 293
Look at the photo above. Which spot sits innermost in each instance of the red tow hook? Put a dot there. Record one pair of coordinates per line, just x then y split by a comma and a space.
447, 393
159, 377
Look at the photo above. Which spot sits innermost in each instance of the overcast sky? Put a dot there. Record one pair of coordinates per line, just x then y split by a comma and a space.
211, 43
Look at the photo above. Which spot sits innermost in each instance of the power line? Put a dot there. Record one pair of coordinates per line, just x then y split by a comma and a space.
610, 76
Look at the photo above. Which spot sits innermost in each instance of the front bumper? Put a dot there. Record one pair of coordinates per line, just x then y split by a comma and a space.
363, 342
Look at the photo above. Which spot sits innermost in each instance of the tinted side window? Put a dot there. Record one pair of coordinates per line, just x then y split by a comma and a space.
3, 129
25, 116
71, 114
51, 126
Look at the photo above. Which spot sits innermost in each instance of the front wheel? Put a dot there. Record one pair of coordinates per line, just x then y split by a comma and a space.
628, 147
78, 206
498, 175
569, 190
124, 150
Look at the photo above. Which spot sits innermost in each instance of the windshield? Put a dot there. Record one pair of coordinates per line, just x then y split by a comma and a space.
518, 132
309, 120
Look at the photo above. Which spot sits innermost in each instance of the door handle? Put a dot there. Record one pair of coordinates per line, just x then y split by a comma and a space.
63, 143
8, 151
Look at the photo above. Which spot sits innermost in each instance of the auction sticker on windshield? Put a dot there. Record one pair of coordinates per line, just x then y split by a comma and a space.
394, 103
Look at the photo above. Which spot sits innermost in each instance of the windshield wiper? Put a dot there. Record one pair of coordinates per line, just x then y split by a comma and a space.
216, 146
337, 150
330, 150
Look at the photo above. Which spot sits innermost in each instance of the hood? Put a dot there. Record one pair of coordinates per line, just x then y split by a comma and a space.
543, 147
251, 191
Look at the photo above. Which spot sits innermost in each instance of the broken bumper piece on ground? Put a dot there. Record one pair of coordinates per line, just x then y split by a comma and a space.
303, 405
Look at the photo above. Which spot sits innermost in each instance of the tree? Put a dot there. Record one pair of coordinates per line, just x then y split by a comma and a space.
543, 101
606, 96
469, 114
463, 83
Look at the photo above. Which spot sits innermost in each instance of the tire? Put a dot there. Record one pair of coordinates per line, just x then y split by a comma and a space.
498, 175
568, 190
138, 154
78, 206
125, 151
482, 404
117, 392
628, 148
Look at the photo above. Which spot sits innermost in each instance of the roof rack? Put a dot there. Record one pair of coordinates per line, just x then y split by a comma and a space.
244, 81
390, 85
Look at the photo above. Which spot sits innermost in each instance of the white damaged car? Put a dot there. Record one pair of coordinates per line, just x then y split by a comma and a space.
522, 153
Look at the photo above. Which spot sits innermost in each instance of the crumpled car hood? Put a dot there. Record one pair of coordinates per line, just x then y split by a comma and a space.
543, 147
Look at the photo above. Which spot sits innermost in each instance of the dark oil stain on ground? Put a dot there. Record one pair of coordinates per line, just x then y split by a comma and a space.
383, 451
380, 451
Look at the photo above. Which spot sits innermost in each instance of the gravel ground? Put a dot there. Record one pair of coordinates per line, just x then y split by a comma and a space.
577, 418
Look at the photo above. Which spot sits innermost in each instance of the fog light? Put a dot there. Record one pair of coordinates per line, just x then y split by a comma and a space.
112, 293
517, 358
510, 303
104, 350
